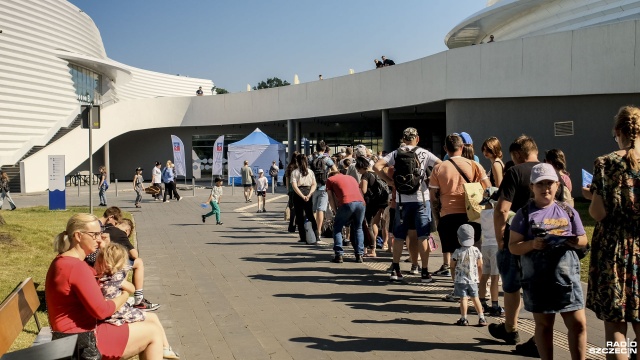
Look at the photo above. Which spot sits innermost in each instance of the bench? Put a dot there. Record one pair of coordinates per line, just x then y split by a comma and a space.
15, 312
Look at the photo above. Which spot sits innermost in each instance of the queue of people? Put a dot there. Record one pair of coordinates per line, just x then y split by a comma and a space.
528, 235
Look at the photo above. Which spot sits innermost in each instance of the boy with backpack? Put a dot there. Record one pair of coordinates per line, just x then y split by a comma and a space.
413, 208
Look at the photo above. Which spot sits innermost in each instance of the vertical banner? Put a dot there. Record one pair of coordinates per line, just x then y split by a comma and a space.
178, 156
218, 148
195, 167
57, 193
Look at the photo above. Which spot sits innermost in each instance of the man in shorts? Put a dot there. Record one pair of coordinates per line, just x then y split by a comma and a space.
413, 211
319, 198
447, 194
247, 181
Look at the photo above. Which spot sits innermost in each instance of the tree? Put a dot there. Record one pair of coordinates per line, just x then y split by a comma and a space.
271, 83
221, 91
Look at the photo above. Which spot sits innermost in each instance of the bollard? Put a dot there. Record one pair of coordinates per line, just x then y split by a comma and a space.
193, 186
116, 187
78, 185
273, 185
233, 185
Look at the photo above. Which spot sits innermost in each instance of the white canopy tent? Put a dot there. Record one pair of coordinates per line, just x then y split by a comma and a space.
259, 150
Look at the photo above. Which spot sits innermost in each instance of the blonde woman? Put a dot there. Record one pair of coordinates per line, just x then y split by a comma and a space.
4, 191
614, 271
169, 180
76, 306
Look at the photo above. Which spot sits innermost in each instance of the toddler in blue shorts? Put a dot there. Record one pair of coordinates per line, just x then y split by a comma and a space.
467, 262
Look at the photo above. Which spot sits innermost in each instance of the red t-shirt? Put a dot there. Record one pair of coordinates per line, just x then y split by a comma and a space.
74, 300
345, 189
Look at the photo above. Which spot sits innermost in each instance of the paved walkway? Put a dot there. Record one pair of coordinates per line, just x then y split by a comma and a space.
248, 290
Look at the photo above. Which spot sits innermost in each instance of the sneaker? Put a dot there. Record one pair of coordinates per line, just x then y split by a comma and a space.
462, 322
443, 271
396, 276
528, 348
146, 305
168, 353
204, 218
180, 198
346, 243
482, 322
496, 311
167, 201
451, 298
485, 306
259, 211
415, 269
219, 223
264, 210
338, 259
359, 258
499, 331
321, 243
426, 277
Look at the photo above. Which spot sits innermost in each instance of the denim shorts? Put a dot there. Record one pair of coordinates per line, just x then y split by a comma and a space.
414, 216
320, 200
551, 286
509, 270
489, 262
465, 290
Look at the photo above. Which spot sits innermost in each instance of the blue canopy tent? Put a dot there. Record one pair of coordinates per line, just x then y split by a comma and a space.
259, 150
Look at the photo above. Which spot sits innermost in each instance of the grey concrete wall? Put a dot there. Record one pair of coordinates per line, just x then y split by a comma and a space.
509, 118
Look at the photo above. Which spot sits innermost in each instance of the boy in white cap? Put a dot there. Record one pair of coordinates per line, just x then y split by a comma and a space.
262, 184
467, 262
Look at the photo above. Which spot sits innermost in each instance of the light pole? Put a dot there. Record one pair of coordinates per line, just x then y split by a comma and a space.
90, 158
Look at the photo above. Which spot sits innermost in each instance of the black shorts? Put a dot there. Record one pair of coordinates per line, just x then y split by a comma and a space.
246, 186
448, 231
261, 193
392, 219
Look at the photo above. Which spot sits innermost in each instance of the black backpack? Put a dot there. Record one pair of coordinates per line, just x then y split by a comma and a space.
319, 167
407, 173
378, 192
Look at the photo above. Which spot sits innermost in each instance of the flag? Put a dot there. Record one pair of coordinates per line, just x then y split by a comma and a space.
217, 156
178, 155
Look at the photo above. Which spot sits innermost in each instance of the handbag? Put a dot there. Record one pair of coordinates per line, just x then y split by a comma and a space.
105, 185
305, 190
87, 344
287, 213
473, 192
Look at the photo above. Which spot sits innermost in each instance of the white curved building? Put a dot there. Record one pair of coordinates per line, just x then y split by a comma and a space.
514, 19
52, 61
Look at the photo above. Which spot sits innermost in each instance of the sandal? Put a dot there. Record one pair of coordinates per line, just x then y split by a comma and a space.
168, 353
370, 255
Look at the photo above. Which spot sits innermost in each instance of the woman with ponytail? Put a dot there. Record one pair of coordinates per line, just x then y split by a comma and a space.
613, 292
76, 305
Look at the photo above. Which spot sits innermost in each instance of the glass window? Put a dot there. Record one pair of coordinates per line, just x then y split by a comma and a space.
87, 83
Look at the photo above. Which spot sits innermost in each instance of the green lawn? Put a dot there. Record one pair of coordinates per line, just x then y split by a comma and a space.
26, 245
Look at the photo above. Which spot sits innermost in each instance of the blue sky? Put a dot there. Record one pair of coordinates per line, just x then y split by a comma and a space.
240, 42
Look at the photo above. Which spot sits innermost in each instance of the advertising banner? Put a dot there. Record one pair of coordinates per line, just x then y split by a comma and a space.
218, 149
178, 155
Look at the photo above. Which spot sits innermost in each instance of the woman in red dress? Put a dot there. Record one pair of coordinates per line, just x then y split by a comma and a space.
75, 302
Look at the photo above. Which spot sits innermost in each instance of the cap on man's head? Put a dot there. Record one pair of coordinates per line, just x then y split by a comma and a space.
360, 150
466, 138
157, 163
465, 235
260, 171
410, 133
543, 171
139, 168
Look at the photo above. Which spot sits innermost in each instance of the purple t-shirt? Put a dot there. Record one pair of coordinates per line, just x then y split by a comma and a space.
554, 219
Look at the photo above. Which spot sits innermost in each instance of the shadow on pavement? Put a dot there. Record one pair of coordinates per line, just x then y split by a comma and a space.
363, 345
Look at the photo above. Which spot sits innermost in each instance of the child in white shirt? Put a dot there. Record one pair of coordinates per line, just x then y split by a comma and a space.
262, 184
467, 262
214, 201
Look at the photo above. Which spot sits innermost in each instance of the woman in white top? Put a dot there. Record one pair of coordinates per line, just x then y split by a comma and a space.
303, 182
